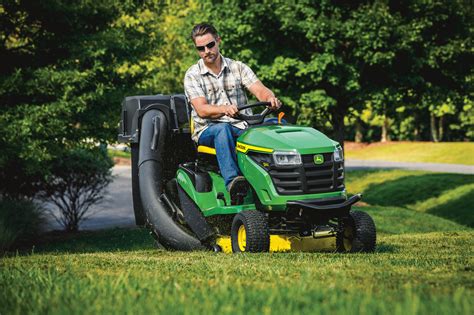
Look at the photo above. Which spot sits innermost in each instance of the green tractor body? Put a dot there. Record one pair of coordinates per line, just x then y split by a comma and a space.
317, 176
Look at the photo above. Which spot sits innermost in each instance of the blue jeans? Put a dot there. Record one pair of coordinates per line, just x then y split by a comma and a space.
222, 137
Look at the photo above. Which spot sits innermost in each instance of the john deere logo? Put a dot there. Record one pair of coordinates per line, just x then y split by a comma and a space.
318, 159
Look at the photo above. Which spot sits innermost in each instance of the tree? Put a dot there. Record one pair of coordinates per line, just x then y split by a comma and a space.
58, 84
328, 59
437, 48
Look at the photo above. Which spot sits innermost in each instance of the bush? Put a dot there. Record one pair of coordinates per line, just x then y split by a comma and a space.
79, 179
20, 221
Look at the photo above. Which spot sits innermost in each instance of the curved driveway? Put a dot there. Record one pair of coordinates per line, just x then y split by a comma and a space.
116, 210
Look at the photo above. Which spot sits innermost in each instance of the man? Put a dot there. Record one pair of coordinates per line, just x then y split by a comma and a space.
215, 87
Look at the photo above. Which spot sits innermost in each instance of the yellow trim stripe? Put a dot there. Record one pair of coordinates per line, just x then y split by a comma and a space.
242, 147
208, 150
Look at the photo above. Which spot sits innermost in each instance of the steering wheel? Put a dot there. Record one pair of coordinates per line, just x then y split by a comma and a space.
254, 119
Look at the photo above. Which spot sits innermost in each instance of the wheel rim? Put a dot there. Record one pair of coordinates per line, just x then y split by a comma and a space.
348, 237
242, 238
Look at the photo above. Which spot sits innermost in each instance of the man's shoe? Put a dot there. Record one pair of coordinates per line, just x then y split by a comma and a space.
238, 188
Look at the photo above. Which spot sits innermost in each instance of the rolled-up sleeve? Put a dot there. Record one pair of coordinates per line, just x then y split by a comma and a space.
192, 87
247, 75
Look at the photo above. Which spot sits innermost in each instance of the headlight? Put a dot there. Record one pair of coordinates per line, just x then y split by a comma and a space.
286, 158
338, 155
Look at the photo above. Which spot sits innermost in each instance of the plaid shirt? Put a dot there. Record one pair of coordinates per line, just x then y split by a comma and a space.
222, 89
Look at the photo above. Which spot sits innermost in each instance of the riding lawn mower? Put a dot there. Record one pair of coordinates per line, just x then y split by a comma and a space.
296, 198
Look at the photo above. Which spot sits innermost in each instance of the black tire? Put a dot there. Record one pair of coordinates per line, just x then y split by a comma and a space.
140, 217
358, 235
255, 231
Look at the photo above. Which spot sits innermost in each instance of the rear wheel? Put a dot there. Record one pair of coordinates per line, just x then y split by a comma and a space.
358, 233
250, 232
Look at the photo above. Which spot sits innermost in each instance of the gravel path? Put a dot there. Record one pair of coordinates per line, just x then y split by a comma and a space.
116, 210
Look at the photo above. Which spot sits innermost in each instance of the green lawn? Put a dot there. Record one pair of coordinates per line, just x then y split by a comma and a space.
409, 274
445, 152
450, 196
422, 265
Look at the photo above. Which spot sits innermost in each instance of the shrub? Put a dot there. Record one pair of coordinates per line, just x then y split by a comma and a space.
20, 221
79, 179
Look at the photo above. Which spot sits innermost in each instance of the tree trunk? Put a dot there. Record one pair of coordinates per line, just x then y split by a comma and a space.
441, 128
416, 129
338, 125
359, 135
385, 130
434, 129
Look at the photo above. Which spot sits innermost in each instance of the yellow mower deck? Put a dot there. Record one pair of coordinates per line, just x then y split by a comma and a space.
288, 243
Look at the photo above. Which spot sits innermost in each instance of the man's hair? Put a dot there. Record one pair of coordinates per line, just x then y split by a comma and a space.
202, 29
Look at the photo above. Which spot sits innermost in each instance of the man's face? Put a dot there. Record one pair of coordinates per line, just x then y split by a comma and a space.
209, 55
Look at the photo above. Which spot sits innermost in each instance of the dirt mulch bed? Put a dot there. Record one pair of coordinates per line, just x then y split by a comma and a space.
122, 161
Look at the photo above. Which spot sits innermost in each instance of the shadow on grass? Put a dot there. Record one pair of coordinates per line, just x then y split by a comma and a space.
415, 189
460, 209
91, 241
386, 248
115, 240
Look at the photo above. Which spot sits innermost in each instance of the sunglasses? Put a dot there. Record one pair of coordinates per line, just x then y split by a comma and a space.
208, 45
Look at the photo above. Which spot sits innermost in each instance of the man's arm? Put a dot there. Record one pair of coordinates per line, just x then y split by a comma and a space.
194, 92
264, 94
209, 111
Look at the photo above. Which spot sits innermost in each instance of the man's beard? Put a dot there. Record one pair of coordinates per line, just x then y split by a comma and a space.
210, 57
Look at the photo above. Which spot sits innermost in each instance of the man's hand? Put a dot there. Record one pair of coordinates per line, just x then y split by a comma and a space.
229, 110
276, 104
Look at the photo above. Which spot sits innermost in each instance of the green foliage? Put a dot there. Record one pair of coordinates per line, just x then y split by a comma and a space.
466, 118
118, 153
21, 221
327, 60
61, 90
396, 69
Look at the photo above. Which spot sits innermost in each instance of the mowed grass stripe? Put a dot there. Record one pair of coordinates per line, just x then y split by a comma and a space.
414, 273
397, 220
428, 152
449, 196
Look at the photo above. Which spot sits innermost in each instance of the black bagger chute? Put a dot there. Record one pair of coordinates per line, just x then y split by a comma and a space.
149, 124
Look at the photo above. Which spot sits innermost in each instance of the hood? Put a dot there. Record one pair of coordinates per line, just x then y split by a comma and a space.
305, 140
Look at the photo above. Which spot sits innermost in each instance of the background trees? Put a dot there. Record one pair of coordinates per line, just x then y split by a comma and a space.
363, 70
388, 69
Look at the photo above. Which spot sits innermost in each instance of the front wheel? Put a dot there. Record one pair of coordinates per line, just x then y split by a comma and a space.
250, 232
358, 233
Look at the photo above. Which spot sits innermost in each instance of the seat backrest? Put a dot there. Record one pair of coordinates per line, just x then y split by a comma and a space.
182, 111
199, 148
